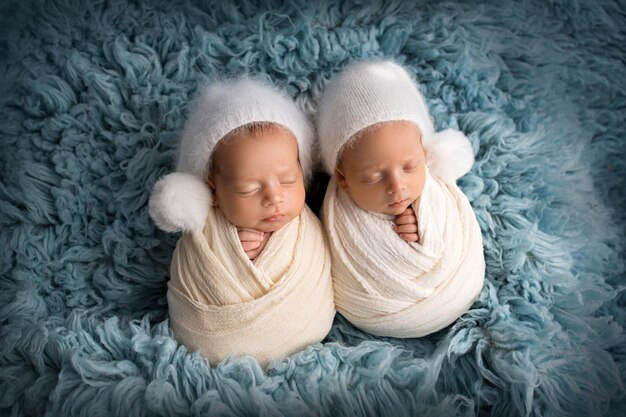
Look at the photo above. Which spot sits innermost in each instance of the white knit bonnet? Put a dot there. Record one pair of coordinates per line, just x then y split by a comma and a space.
181, 200
375, 91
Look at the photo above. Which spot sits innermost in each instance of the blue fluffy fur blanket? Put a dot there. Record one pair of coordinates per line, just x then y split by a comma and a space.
93, 97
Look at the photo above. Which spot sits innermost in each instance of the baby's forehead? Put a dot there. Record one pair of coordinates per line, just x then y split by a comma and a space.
249, 151
397, 127
255, 135
254, 131
397, 138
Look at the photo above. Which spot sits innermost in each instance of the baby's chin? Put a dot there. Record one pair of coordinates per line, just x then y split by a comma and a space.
395, 211
398, 210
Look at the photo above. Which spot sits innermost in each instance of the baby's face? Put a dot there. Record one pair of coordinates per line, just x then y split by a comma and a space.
257, 181
384, 170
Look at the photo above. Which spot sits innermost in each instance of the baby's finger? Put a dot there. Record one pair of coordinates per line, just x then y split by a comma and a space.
409, 237
253, 253
405, 219
408, 212
406, 228
247, 229
248, 245
248, 235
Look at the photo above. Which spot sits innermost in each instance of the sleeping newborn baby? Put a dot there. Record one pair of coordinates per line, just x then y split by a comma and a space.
406, 247
250, 274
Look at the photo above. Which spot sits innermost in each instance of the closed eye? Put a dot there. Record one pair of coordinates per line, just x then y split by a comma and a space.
371, 180
410, 167
248, 192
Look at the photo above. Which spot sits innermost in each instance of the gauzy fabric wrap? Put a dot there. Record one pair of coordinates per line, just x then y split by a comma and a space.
220, 302
390, 287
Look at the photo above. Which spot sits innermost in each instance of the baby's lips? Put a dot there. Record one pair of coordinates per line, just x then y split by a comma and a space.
274, 217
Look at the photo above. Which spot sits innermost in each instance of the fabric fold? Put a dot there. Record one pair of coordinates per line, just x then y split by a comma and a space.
220, 302
390, 287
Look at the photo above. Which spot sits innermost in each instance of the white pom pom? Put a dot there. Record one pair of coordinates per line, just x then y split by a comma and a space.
449, 155
179, 202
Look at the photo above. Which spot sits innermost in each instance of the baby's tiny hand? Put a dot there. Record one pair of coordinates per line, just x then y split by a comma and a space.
252, 241
406, 225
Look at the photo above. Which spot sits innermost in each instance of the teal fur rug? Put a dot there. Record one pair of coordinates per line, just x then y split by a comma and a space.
94, 95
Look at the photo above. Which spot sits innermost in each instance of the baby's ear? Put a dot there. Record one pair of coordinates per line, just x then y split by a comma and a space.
449, 155
341, 180
179, 202
211, 184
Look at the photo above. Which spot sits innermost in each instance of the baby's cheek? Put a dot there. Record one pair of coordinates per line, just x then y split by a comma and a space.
240, 213
297, 198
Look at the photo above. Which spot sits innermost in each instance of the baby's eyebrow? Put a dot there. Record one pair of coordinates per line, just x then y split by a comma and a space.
289, 174
368, 167
237, 179
367, 170
252, 178
243, 183
376, 167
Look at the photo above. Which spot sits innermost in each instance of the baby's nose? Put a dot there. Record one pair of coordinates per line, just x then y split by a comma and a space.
394, 185
273, 196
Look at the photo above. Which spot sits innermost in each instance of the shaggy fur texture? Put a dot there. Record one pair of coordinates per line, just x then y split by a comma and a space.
180, 201
94, 95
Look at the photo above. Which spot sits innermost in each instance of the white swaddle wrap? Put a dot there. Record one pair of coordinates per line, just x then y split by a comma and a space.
390, 287
220, 302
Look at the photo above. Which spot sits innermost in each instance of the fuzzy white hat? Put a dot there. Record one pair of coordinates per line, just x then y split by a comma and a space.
375, 91
181, 200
